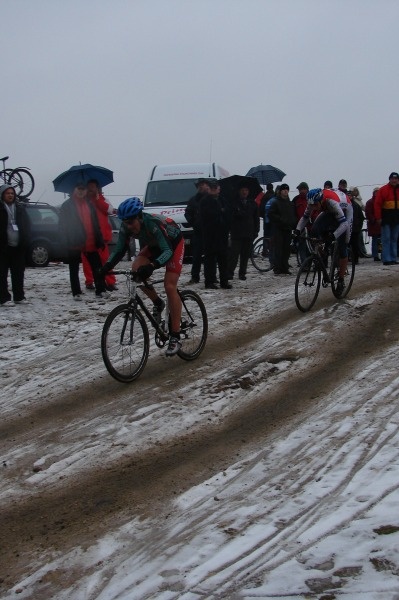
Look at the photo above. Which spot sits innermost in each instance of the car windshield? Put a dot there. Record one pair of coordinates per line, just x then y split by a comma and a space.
170, 192
43, 215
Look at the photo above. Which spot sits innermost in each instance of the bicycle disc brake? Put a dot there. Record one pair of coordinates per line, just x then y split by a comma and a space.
185, 327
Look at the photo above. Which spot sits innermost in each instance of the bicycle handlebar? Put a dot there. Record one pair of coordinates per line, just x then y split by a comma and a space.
135, 277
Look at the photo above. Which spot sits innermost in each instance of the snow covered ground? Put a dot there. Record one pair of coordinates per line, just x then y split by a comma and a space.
296, 417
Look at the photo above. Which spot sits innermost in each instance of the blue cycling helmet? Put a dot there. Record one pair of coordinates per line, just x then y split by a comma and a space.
130, 208
314, 196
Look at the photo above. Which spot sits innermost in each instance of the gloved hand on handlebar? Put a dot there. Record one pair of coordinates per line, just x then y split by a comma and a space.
330, 237
145, 271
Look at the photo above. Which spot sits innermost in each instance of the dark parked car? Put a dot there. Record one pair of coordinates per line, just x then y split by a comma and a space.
46, 242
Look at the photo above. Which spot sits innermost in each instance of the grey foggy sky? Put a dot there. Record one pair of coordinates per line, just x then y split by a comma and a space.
310, 86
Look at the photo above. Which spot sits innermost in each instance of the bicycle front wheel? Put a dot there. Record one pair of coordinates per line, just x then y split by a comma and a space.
260, 254
307, 284
27, 183
337, 290
194, 325
125, 343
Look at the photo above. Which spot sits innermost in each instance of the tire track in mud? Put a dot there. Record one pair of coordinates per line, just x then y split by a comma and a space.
108, 393
98, 500
280, 546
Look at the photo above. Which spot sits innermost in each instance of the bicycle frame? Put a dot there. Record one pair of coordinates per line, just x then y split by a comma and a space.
317, 247
136, 301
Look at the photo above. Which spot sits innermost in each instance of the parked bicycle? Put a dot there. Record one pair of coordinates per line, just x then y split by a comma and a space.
125, 340
20, 178
314, 272
260, 254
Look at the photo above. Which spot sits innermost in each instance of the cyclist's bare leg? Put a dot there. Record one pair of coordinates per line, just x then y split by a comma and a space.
139, 261
170, 283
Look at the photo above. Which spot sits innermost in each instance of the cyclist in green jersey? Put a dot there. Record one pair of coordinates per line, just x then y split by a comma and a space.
161, 245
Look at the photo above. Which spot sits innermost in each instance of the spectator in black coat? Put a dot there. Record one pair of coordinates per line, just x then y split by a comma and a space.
192, 214
244, 227
215, 226
282, 219
14, 239
357, 226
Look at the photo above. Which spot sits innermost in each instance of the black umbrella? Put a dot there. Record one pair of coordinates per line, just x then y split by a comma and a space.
266, 174
229, 186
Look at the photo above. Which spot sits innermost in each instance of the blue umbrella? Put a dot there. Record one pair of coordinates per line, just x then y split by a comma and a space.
66, 181
266, 174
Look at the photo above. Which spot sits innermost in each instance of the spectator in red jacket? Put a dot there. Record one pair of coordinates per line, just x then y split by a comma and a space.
373, 228
95, 196
386, 209
81, 231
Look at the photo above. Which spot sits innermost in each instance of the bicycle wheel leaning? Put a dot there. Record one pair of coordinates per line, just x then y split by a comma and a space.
349, 275
22, 181
9, 177
194, 325
307, 284
260, 255
125, 343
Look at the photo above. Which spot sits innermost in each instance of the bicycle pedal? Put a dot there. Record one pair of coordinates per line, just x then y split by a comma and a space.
160, 341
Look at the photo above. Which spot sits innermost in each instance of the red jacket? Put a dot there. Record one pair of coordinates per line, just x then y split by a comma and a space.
102, 208
386, 205
373, 228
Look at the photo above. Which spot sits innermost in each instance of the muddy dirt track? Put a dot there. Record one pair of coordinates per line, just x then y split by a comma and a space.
265, 369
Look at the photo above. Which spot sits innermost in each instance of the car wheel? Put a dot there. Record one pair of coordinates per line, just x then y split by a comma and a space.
39, 255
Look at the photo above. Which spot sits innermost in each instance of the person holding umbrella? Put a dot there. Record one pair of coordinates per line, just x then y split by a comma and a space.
96, 197
79, 223
81, 231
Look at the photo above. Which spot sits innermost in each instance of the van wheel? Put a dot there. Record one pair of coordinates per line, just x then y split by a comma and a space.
39, 255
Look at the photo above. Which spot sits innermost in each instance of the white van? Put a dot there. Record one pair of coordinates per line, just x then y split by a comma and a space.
170, 187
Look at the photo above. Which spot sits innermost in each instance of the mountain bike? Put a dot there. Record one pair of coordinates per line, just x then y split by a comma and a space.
125, 339
314, 272
20, 178
260, 254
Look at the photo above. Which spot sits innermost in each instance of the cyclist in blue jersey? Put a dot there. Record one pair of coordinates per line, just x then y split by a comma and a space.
161, 245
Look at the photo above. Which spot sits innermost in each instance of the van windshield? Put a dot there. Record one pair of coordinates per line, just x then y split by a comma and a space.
169, 192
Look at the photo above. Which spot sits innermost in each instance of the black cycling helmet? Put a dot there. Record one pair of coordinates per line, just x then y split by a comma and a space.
130, 208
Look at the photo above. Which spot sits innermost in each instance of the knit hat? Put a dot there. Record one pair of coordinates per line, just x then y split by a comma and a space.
302, 186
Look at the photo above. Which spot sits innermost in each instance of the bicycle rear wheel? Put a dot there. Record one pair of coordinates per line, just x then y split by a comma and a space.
307, 284
260, 255
348, 278
194, 325
27, 183
125, 343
